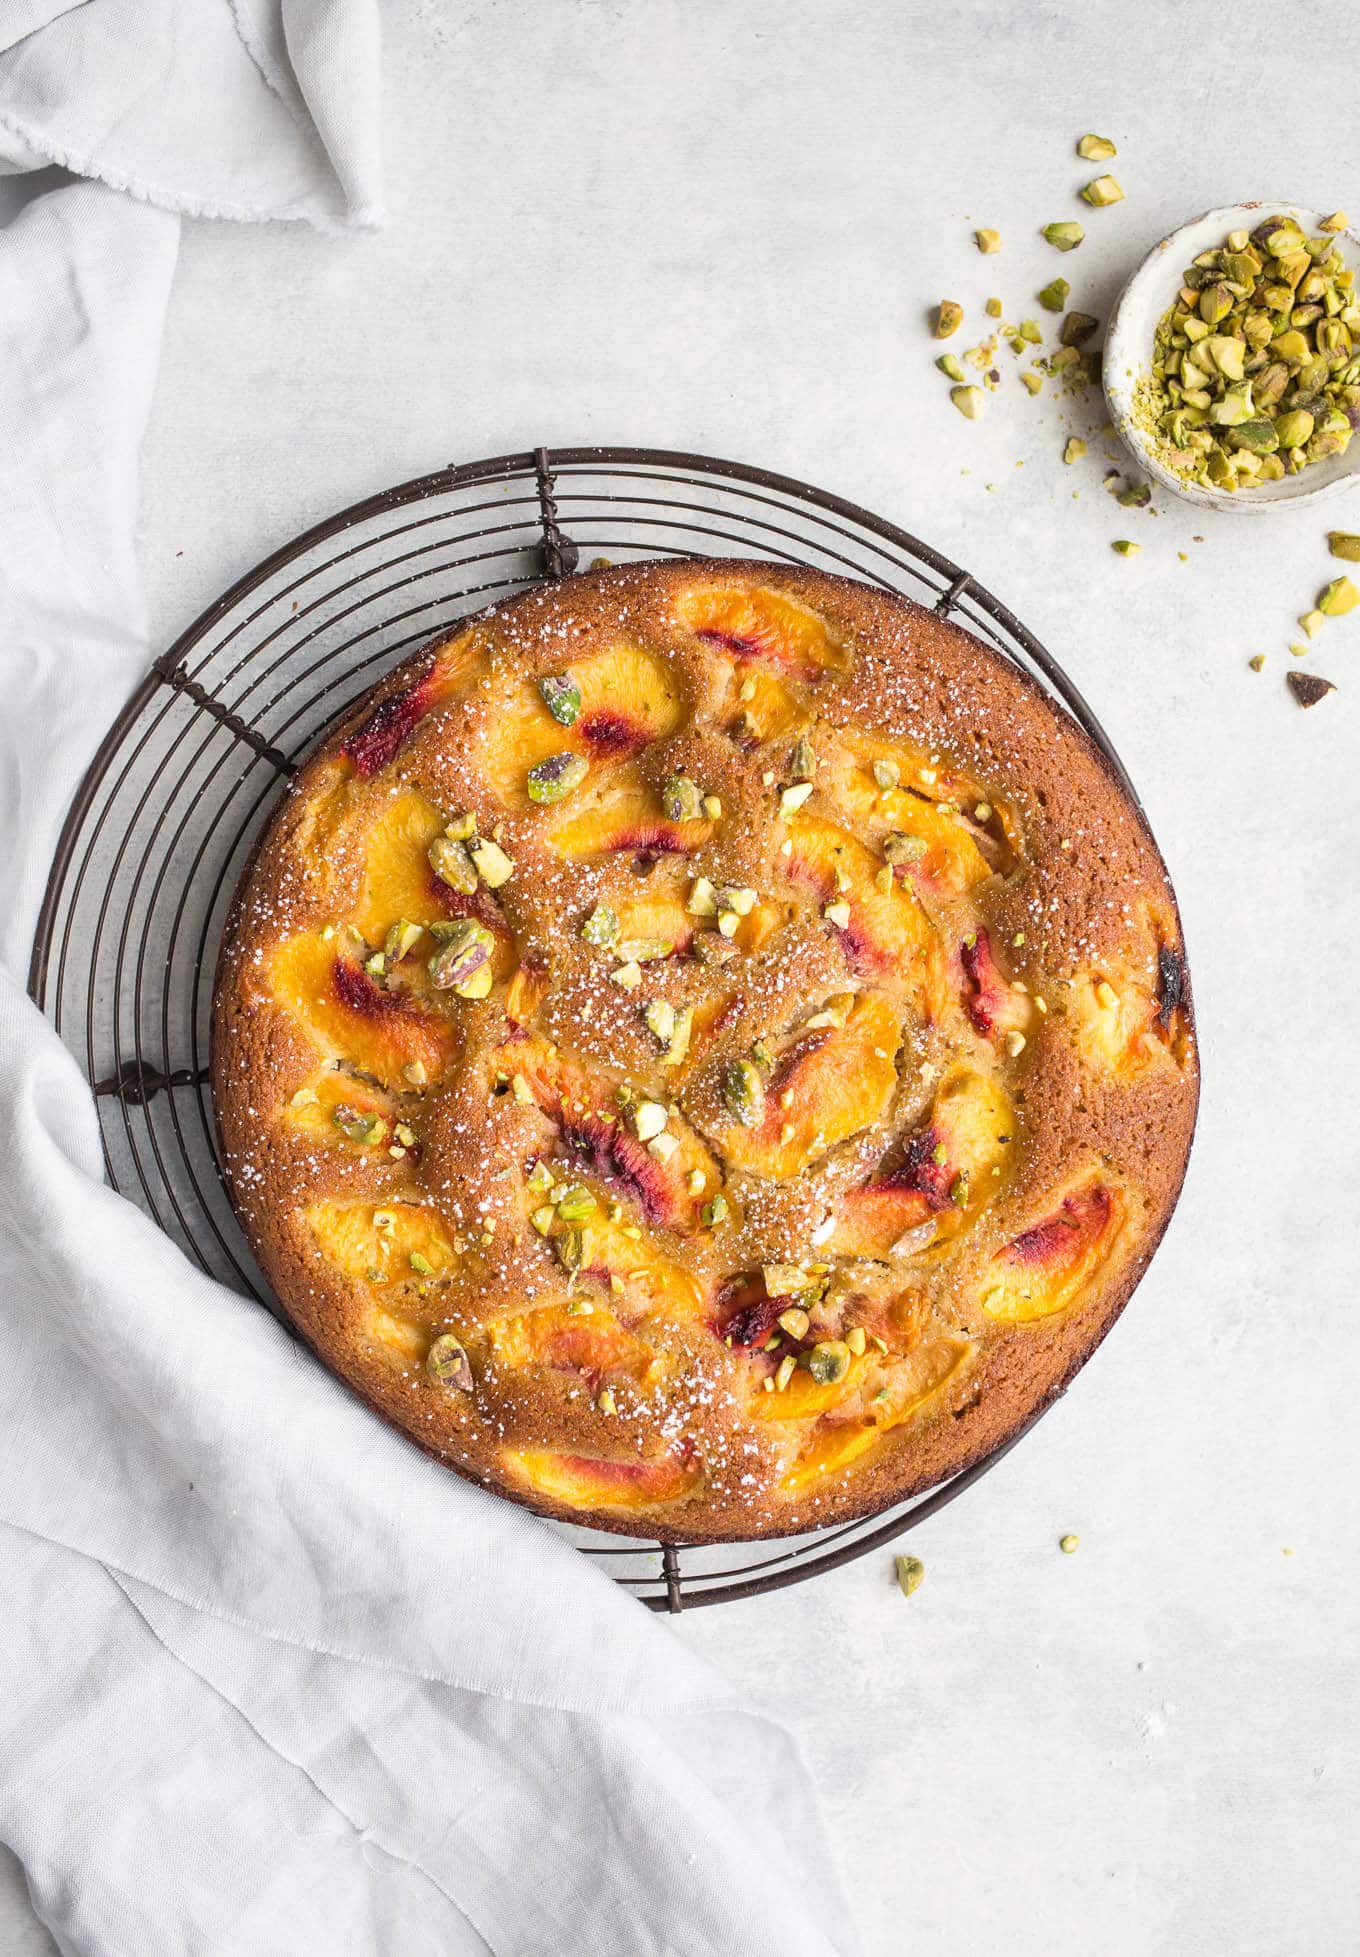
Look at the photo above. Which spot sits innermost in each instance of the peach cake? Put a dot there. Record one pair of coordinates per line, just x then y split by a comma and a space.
705, 1049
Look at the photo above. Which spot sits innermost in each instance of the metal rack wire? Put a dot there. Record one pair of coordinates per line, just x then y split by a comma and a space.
166, 816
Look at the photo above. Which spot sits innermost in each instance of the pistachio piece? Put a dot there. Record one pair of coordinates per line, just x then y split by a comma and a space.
952, 367
993, 309
575, 1204
1096, 149
968, 401
462, 964
1077, 328
659, 1018
794, 1321
703, 899
901, 848
803, 762
1125, 548
743, 1092
550, 780
643, 951
792, 799
446, 1364
681, 799
1215, 303
453, 866
910, 1573
400, 939
648, 1118
1344, 544
1065, 236
1311, 623
369, 1130
561, 696
829, 1361
948, 318
1032, 382
1102, 191
987, 241
1053, 297
714, 1212
492, 864
1336, 222
886, 774
601, 928
1338, 597
677, 1046
1067, 1544
1074, 449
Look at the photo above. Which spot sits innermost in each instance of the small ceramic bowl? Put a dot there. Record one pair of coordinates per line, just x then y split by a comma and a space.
1128, 353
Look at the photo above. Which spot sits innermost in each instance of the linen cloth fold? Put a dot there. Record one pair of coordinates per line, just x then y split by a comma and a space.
271, 1681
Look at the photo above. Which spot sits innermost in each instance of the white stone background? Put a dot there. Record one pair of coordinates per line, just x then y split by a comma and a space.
718, 226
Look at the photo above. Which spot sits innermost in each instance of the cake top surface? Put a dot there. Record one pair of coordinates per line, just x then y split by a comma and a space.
705, 1049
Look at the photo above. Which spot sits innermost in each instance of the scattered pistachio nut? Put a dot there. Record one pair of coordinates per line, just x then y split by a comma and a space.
1344, 544
987, 241
1125, 548
803, 761
659, 1018
1257, 661
952, 367
492, 864
453, 866
714, 1212
1096, 149
1338, 221
968, 401
948, 318
601, 927
462, 964
561, 696
401, 938
1074, 450
1077, 328
1068, 1543
1053, 296
743, 1092
1135, 496
993, 308
794, 1321
1102, 191
910, 1572
461, 826
1311, 623
1065, 236
1033, 382
829, 1361
901, 848
1338, 597
550, 780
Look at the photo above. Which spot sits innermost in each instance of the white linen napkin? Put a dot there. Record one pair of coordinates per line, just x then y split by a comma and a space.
271, 1680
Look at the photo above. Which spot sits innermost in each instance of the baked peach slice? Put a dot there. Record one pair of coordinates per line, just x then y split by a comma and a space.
351, 1017
882, 786
624, 816
376, 1243
990, 1000
628, 699
905, 1389
382, 735
354, 1114
752, 622
942, 1173
830, 1083
765, 708
583, 1105
882, 930
594, 1344
1043, 1270
1127, 1018
592, 1481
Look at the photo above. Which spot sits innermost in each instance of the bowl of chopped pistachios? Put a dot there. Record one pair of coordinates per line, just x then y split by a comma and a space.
1232, 361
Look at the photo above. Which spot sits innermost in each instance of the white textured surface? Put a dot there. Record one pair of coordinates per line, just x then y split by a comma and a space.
720, 228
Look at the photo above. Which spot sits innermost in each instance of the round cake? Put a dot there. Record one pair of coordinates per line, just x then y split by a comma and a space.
705, 1049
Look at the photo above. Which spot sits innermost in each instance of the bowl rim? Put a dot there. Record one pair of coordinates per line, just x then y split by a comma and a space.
1120, 370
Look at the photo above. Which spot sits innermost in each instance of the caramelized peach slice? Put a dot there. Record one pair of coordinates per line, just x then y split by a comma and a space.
626, 816
967, 834
398, 883
583, 1105
1127, 1019
831, 1083
829, 1450
525, 994
887, 931
1043, 1269
401, 1337
353, 1018
629, 698
750, 621
645, 1279
595, 1345
588, 1481
375, 1243
942, 1173
989, 999
803, 1398
765, 709
907, 1387
381, 737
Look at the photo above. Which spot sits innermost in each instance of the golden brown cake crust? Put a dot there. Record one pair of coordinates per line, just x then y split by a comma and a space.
821, 1160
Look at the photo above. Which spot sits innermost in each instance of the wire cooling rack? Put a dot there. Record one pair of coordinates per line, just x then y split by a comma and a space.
163, 823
